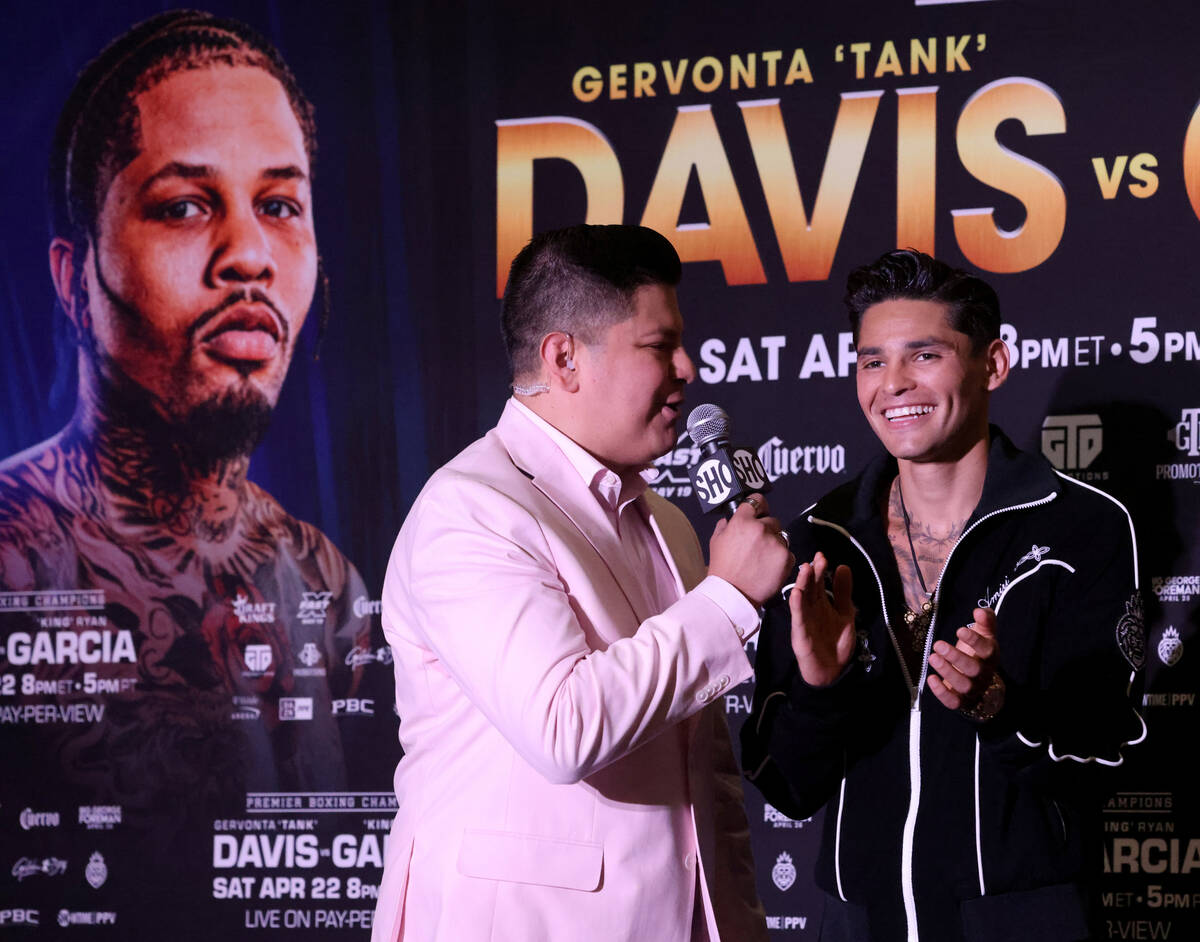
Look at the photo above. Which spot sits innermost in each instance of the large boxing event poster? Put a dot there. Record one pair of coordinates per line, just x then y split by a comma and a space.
205, 751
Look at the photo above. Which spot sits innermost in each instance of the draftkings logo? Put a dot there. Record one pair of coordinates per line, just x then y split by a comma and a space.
1072, 443
1186, 437
253, 613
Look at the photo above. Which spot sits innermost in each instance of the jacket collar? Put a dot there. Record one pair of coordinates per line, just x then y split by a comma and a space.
535, 454
1014, 478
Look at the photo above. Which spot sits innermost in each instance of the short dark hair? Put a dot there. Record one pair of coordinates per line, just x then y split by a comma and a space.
97, 133
974, 309
579, 280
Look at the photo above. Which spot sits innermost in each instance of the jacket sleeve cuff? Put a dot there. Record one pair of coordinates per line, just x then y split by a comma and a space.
743, 615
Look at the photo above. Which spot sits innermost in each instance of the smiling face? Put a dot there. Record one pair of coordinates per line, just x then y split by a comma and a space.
631, 383
204, 263
920, 386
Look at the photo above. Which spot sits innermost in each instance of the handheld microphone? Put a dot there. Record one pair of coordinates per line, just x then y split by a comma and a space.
726, 474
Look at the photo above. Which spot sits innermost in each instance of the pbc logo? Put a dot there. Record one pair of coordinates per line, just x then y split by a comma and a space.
19, 917
295, 708
1072, 442
354, 705
1186, 435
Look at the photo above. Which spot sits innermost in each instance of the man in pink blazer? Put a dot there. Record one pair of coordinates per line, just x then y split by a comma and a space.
559, 649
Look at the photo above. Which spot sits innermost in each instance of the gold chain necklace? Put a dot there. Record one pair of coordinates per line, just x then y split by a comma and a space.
918, 622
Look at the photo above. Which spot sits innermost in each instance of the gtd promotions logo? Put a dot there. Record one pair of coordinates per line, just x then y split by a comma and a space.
1073, 442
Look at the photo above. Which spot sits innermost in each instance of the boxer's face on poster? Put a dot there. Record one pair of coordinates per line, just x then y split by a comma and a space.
205, 260
920, 385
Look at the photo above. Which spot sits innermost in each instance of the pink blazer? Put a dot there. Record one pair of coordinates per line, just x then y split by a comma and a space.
537, 715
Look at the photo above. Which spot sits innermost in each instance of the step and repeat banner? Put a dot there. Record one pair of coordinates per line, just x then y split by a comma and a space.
197, 732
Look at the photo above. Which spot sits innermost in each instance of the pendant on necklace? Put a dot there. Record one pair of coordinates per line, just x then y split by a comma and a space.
918, 624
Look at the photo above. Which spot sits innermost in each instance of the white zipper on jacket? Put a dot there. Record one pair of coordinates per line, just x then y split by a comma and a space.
914, 716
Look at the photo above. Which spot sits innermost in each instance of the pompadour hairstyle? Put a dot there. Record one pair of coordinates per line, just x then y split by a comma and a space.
579, 280
974, 309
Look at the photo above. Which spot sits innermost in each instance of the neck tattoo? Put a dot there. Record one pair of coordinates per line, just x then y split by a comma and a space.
918, 622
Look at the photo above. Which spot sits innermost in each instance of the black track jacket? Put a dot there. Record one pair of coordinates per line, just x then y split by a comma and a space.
938, 828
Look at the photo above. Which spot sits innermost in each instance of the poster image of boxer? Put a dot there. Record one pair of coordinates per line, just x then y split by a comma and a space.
173, 636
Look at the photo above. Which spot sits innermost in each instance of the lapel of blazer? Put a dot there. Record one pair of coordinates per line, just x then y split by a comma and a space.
664, 541
551, 473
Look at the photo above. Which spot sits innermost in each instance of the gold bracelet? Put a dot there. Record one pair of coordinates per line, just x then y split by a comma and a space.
988, 705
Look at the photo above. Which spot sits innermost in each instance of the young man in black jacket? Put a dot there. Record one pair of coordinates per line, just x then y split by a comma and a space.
954, 665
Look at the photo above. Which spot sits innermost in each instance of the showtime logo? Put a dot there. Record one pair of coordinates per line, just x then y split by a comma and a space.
38, 819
